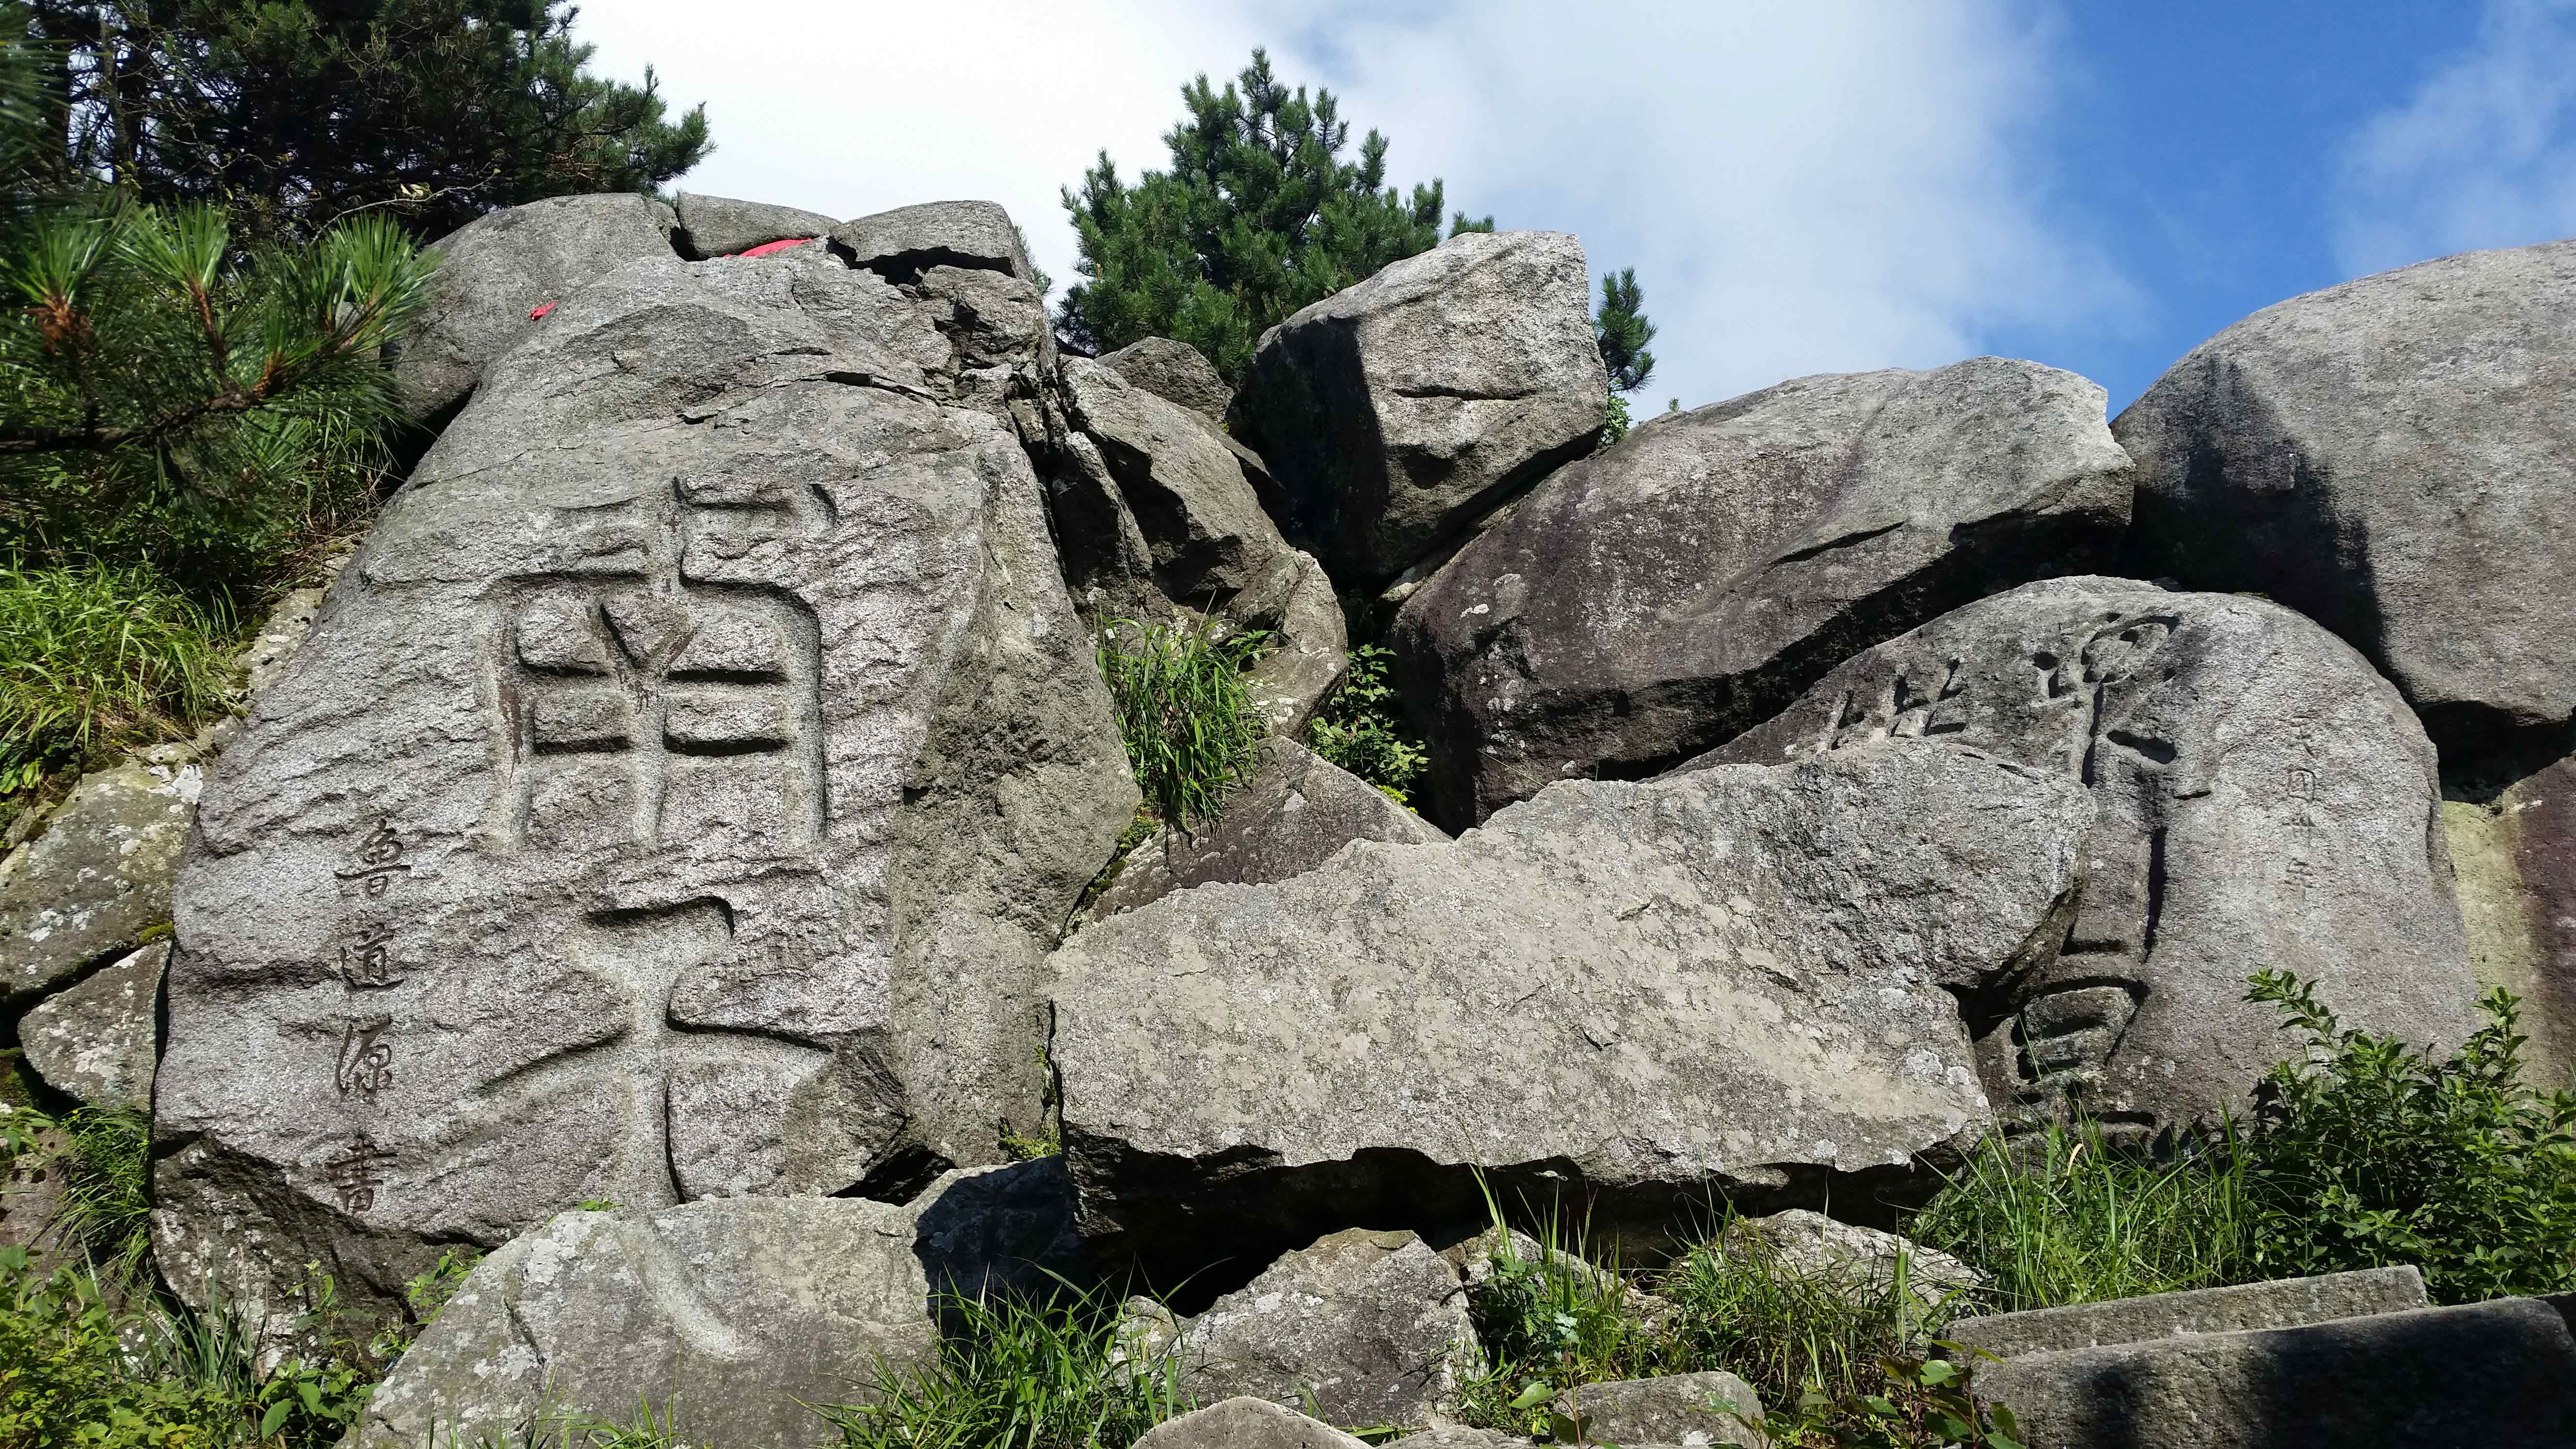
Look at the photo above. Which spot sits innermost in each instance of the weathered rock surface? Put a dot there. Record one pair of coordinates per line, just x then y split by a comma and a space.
677, 800
2267, 801
1158, 519
1175, 372
1245, 1423
96, 1041
1360, 1328
2282, 1303
95, 877
494, 270
1651, 602
1713, 1407
1402, 409
2484, 1374
719, 226
1816, 1246
1734, 981
1460, 1436
723, 1314
902, 243
2391, 458
2514, 861
1289, 818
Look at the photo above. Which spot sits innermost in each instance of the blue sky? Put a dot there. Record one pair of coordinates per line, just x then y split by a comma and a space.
1803, 187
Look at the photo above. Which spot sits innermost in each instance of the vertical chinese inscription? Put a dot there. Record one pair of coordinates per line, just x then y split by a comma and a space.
357, 1172
366, 1063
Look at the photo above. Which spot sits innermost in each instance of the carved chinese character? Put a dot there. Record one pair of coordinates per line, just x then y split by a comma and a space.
357, 1172
379, 859
367, 963
366, 1064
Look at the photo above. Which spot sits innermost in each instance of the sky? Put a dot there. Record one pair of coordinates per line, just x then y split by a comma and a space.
1802, 187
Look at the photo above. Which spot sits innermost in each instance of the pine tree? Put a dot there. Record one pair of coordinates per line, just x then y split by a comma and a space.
294, 113
1621, 331
1259, 215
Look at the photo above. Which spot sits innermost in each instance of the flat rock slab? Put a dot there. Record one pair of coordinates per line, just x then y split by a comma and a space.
1401, 410
720, 1315
719, 226
1713, 1407
495, 270
2498, 1375
1293, 814
1174, 371
97, 1041
2281, 1303
2391, 458
1652, 601
902, 243
1364, 1328
1735, 981
1245, 1423
676, 799
96, 875
2267, 800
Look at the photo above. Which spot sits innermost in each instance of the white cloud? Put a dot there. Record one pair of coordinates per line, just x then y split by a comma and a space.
1802, 187
2482, 155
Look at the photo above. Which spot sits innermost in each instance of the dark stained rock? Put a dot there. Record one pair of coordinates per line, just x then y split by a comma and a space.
2266, 801
2392, 458
1175, 372
2515, 860
1289, 818
1401, 410
719, 226
2280, 1303
1653, 601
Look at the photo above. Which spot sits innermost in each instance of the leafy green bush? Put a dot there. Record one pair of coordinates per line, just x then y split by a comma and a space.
94, 659
1551, 1320
1362, 729
2371, 1152
2065, 1217
1014, 1375
1190, 728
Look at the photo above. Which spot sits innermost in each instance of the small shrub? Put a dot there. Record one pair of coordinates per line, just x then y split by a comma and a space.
2371, 1152
1362, 729
1551, 1321
2065, 1217
1014, 1375
1182, 708
1919, 1404
1615, 426
94, 659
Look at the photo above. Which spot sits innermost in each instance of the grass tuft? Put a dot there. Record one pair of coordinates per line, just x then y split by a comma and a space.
1189, 724
94, 659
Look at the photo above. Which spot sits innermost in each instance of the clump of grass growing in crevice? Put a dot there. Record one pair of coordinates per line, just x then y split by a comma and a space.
95, 659
1188, 722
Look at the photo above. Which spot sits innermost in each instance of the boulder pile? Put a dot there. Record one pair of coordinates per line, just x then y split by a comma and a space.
692, 851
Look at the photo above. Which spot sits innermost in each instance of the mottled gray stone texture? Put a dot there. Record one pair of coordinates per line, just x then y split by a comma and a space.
676, 800
902, 243
2266, 801
1245, 1423
2391, 457
95, 876
1401, 410
2281, 1303
1651, 602
1815, 1246
1736, 981
1175, 372
97, 1041
1672, 1409
494, 270
719, 226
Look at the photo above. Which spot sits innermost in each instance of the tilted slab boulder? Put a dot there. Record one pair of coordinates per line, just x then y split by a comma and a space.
2267, 802
719, 226
2392, 458
1174, 371
902, 243
676, 800
95, 877
717, 1316
1158, 518
1360, 1327
2242, 1307
495, 270
2485, 1374
1651, 602
1399, 411
97, 1041
1737, 981
1290, 817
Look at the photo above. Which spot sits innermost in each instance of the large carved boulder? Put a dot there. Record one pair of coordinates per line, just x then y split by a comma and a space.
1649, 603
1159, 518
1737, 981
2391, 457
495, 270
676, 800
726, 1318
2266, 801
1401, 410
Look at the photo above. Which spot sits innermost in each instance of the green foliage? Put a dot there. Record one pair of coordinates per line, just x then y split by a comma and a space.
1920, 1403
105, 1164
2373, 1152
1259, 215
1190, 728
1362, 727
96, 658
1621, 331
1015, 1375
1615, 425
2065, 1216
1550, 1321
296, 113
